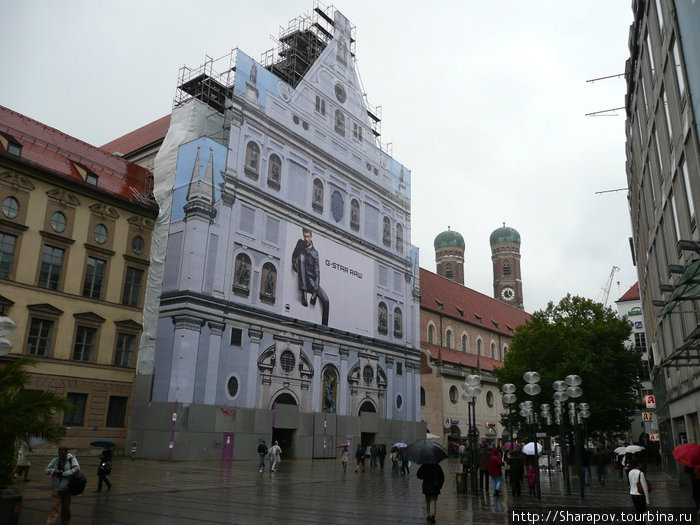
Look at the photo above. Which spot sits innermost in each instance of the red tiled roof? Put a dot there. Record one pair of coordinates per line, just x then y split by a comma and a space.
630, 295
55, 152
139, 138
451, 299
458, 357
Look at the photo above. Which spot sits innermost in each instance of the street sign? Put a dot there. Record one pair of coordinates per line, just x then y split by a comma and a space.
650, 401
653, 436
647, 416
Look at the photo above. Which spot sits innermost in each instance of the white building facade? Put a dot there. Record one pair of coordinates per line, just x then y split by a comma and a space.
283, 293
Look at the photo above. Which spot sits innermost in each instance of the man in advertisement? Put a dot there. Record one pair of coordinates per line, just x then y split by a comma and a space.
306, 264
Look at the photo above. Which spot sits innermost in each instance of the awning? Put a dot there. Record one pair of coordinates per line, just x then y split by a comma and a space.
687, 289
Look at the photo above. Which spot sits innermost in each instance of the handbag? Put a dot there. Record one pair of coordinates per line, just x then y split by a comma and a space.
640, 488
105, 468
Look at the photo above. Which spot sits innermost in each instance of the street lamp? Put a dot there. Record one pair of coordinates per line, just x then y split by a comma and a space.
560, 398
531, 388
574, 391
472, 388
508, 401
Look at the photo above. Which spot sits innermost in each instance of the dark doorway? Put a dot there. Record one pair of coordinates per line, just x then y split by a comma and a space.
285, 438
367, 406
285, 399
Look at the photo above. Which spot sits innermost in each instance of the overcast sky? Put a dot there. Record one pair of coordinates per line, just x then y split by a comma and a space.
484, 101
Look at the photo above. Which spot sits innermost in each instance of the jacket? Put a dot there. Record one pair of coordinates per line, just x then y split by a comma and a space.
495, 463
433, 478
59, 482
635, 475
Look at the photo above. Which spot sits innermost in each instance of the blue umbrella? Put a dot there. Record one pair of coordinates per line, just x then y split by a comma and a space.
103, 443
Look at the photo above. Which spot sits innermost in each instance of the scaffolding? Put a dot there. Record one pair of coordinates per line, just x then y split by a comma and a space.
211, 83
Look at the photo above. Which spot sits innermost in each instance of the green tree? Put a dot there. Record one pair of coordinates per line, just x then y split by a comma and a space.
583, 337
24, 414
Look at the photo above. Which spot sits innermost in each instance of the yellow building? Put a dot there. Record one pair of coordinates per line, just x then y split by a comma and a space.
75, 235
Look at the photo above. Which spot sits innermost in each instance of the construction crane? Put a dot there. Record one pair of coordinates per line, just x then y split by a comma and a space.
606, 290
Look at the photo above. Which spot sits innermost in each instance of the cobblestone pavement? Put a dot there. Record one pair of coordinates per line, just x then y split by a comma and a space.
308, 492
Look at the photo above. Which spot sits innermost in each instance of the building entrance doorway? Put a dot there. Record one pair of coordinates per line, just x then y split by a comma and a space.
285, 437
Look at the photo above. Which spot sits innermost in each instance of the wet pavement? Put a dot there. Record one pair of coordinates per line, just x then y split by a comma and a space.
308, 492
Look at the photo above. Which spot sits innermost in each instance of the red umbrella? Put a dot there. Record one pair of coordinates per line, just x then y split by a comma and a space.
342, 445
688, 454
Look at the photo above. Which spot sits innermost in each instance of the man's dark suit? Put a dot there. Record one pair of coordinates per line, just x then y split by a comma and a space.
305, 263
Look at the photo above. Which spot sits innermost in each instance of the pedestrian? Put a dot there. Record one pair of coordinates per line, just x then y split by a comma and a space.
360, 458
495, 464
599, 460
483, 460
517, 471
638, 480
382, 455
586, 466
23, 461
344, 456
433, 479
262, 452
531, 480
61, 468
275, 456
464, 458
373, 455
394, 457
694, 474
104, 469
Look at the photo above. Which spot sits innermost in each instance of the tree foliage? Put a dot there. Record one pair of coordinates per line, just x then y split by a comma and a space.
579, 336
24, 414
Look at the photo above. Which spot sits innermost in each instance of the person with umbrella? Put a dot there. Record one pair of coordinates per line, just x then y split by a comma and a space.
428, 454
104, 468
433, 478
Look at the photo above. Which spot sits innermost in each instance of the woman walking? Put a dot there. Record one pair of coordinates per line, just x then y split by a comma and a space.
433, 479
104, 469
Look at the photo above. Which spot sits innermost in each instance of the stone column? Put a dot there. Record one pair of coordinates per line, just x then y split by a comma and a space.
343, 390
253, 373
389, 402
211, 385
411, 385
183, 368
316, 380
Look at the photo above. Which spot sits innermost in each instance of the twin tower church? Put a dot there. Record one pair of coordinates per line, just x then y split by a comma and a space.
505, 254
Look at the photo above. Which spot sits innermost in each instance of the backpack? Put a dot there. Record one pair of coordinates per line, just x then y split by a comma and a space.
76, 483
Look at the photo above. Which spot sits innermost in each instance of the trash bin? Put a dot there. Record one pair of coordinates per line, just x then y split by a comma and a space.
462, 482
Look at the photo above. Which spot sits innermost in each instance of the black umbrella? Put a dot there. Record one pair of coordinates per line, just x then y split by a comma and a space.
103, 443
424, 451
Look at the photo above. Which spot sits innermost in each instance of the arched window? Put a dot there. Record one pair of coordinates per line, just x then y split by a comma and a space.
465, 343
448, 338
399, 238
367, 406
398, 322
382, 314
317, 196
431, 334
448, 271
241, 277
505, 349
355, 215
330, 389
252, 160
422, 396
479, 346
285, 399
268, 283
506, 267
493, 350
274, 172
386, 231
489, 399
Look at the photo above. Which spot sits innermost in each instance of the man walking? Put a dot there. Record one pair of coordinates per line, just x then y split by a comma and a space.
60, 469
275, 455
262, 452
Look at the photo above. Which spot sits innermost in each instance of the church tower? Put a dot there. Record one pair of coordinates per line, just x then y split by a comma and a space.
505, 254
449, 255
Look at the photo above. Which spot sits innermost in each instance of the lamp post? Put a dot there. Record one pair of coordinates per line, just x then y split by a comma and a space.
573, 390
531, 388
508, 401
560, 399
472, 388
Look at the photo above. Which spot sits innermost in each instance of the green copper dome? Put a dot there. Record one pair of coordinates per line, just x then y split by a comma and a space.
504, 234
449, 238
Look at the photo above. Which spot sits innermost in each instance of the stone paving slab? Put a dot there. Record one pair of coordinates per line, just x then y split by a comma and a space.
306, 492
